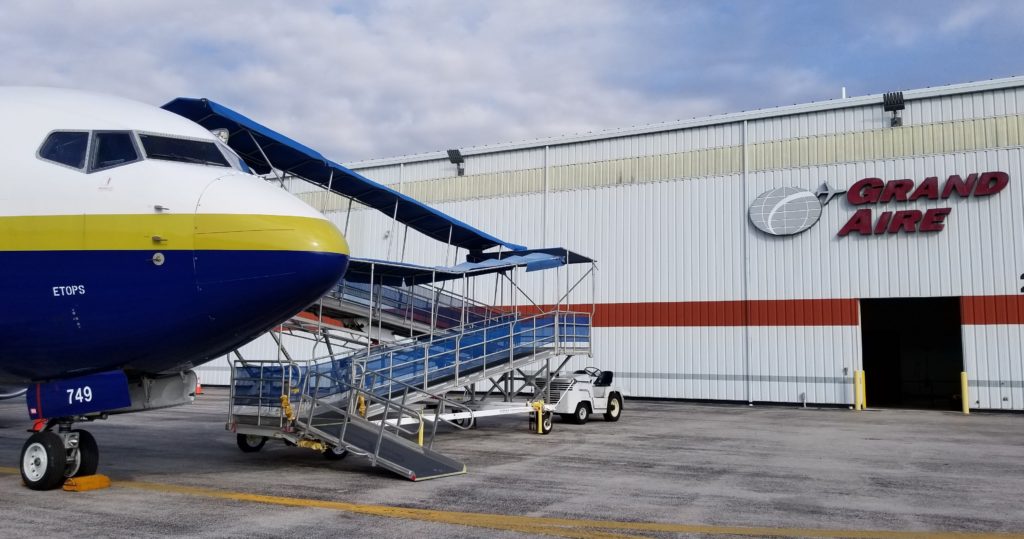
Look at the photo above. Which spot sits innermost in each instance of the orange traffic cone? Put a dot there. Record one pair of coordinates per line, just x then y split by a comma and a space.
199, 387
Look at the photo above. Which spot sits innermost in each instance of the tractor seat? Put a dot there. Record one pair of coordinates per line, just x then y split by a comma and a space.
604, 379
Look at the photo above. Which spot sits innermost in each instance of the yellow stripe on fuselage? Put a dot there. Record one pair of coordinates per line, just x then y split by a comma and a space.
170, 232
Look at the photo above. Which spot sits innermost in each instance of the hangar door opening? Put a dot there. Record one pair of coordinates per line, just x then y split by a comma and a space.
913, 352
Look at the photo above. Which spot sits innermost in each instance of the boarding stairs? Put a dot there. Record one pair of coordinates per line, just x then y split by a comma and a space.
374, 402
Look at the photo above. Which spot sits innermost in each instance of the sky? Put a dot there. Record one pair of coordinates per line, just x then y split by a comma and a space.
364, 80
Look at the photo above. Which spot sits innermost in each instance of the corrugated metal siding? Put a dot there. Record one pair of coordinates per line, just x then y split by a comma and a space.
667, 142
792, 152
987, 104
995, 365
693, 363
389, 175
911, 140
804, 364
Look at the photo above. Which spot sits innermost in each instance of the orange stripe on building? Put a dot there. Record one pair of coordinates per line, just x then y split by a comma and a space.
979, 310
975, 310
785, 312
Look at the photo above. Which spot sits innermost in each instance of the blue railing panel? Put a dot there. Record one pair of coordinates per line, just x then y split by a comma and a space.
473, 347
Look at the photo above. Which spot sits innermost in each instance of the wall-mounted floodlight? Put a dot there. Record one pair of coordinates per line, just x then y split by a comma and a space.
893, 102
455, 156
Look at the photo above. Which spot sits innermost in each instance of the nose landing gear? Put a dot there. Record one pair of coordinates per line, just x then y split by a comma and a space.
48, 458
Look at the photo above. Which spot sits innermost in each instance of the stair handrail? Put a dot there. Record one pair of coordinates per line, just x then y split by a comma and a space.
430, 296
522, 332
288, 371
557, 319
511, 337
401, 346
409, 388
406, 344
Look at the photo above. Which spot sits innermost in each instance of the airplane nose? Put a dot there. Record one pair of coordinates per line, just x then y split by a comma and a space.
255, 269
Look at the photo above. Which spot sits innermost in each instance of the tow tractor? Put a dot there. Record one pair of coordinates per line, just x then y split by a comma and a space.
586, 392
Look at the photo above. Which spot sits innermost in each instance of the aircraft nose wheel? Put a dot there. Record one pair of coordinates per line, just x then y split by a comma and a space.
47, 460
87, 459
43, 461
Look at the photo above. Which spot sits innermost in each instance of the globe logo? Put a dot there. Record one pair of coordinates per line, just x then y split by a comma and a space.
785, 211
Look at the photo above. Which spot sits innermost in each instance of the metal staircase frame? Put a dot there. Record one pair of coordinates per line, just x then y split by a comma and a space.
360, 385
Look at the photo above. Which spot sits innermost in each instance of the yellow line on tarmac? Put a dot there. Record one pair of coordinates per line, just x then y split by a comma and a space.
562, 527
480, 520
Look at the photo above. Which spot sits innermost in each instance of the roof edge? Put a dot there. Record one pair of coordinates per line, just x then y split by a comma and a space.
733, 117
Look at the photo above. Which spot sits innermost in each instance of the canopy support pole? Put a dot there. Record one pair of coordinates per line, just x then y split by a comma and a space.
391, 231
369, 324
280, 178
348, 214
330, 184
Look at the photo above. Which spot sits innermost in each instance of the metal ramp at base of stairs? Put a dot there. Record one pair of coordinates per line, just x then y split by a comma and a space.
385, 437
385, 448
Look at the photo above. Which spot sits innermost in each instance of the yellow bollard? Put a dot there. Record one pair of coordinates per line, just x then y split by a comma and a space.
965, 397
538, 407
420, 440
863, 390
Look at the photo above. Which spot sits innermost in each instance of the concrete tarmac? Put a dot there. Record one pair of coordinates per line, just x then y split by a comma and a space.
667, 469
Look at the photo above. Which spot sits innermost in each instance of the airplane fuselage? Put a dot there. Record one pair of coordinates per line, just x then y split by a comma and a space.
147, 265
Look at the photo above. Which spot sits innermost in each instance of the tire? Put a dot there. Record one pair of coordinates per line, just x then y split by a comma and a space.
614, 411
250, 443
43, 460
335, 453
88, 454
582, 414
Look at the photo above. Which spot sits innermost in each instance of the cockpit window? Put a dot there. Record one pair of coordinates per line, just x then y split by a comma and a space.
184, 150
112, 148
66, 147
236, 162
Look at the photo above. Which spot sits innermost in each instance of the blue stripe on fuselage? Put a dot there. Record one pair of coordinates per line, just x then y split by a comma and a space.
71, 312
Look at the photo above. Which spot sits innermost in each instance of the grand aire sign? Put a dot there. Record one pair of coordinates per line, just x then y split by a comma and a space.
873, 192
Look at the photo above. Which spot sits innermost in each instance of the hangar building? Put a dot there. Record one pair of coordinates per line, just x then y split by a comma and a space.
765, 256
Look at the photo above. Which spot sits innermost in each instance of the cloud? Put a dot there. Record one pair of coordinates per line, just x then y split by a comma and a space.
359, 81
967, 16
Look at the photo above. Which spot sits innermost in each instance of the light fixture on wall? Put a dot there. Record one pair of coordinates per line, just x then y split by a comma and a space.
893, 102
455, 156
